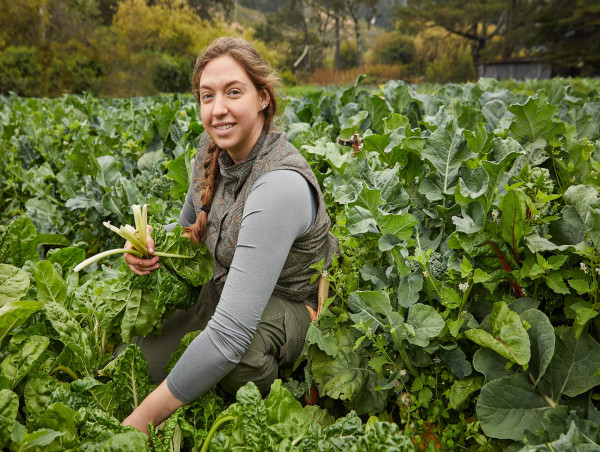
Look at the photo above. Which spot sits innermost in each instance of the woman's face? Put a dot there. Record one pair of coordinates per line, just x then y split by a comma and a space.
231, 107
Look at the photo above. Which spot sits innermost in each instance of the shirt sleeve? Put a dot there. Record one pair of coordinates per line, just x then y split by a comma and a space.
281, 207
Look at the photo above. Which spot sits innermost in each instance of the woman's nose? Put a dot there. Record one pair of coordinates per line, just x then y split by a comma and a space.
220, 106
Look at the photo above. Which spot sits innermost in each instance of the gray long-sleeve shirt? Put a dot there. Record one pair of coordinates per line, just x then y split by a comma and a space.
280, 208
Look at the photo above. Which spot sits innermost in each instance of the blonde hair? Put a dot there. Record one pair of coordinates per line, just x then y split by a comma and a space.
264, 78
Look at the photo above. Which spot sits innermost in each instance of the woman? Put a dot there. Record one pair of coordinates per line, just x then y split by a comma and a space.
257, 205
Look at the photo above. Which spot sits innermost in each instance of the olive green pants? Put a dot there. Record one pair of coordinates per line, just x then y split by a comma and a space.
277, 342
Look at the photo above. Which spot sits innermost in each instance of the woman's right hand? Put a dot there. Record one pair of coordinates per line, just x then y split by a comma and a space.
138, 265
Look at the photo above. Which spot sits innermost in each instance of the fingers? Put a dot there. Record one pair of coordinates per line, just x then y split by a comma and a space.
150, 240
138, 265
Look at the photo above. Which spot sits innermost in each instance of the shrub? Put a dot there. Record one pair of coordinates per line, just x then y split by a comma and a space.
19, 71
172, 74
75, 73
289, 79
348, 55
454, 67
394, 47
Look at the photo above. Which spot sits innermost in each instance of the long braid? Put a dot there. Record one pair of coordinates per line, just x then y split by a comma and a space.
209, 186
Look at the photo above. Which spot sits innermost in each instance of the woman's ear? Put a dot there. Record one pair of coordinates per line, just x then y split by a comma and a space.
265, 98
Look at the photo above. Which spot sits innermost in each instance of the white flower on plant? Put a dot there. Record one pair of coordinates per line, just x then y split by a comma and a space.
436, 360
402, 372
465, 312
583, 267
425, 274
598, 270
495, 214
369, 331
536, 217
325, 274
463, 286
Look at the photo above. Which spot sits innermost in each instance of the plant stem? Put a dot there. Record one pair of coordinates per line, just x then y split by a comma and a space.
213, 430
66, 370
161, 254
409, 365
104, 254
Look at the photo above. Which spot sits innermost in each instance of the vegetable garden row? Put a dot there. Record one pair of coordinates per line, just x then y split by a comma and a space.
464, 308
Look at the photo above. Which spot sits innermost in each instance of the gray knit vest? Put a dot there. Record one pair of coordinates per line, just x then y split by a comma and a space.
271, 152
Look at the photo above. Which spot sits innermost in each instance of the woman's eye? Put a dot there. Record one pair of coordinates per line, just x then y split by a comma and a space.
206, 97
235, 92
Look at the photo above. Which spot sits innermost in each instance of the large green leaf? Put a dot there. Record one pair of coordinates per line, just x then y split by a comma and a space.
490, 364
60, 418
50, 285
446, 150
72, 335
18, 242
346, 375
14, 284
24, 350
131, 379
509, 337
573, 368
14, 313
541, 336
140, 315
508, 406
514, 218
423, 323
9, 406
533, 120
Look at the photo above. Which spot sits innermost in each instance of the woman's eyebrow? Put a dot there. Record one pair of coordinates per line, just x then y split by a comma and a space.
233, 82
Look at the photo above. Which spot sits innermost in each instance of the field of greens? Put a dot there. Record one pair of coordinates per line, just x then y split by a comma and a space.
464, 307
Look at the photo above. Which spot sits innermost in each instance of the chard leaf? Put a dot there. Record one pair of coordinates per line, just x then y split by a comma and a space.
72, 335
14, 284
24, 350
353, 125
346, 375
573, 368
141, 315
285, 416
59, 418
508, 406
194, 271
130, 375
509, 338
37, 393
18, 242
41, 438
179, 171
325, 342
9, 407
129, 441
50, 285
254, 416
67, 258
14, 313
514, 218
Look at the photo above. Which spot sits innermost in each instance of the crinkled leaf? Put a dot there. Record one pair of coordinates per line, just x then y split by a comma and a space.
23, 352
14, 284
426, 324
51, 286
60, 418
533, 120
131, 379
409, 288
18, 242
9, 406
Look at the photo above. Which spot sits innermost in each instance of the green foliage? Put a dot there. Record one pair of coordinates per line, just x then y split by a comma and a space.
464, 304
394, 48
20, 71
172, 75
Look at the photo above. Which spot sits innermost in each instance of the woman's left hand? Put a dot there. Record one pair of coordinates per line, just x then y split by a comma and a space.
155, 408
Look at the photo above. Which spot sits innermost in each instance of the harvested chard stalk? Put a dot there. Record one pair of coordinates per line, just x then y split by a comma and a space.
137, 237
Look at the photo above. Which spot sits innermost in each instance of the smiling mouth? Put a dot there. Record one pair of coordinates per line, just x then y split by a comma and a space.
224, 127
